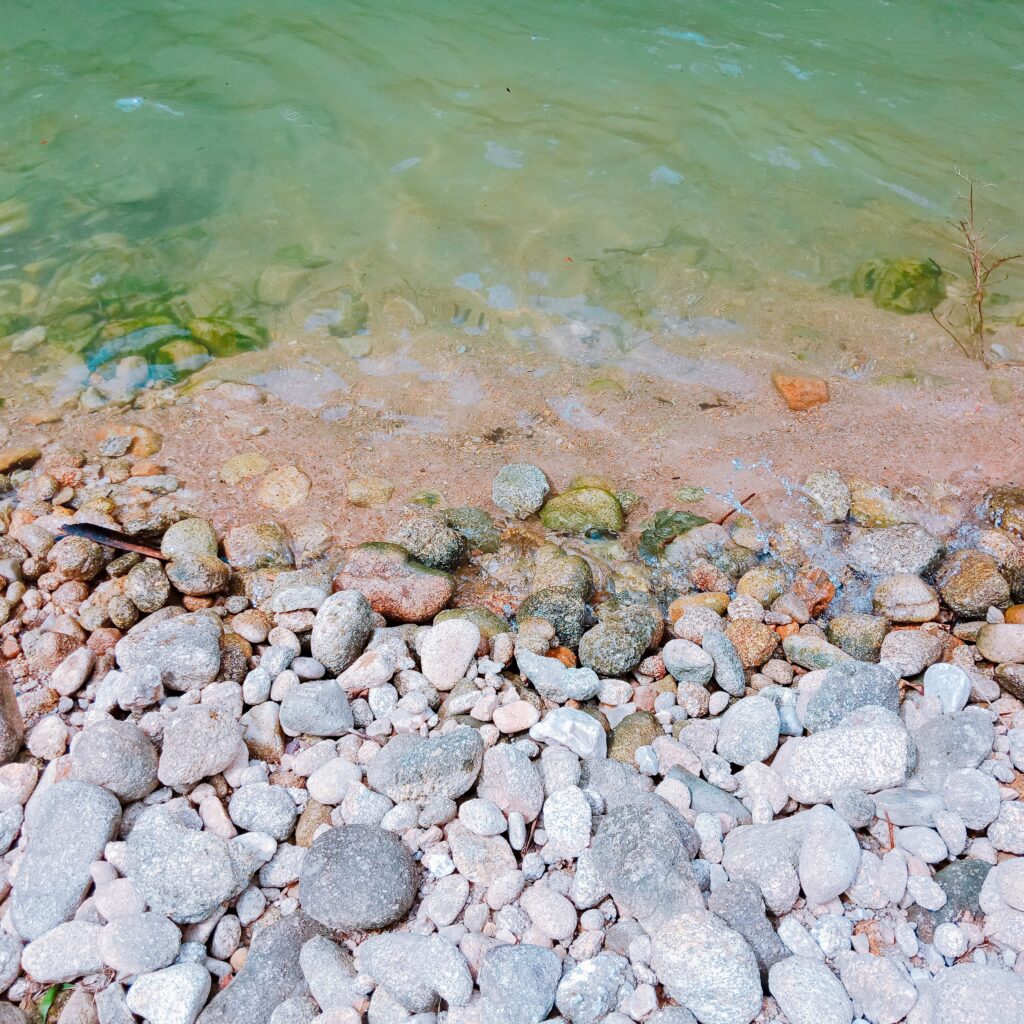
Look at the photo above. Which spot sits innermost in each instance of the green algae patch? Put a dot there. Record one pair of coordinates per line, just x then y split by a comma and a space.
583, 510
900, 286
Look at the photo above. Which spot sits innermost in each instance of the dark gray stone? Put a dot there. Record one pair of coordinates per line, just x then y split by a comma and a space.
740, 906
272, 974
357, 877
846, 687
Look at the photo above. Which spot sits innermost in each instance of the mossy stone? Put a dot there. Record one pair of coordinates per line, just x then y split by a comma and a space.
582, 511
640, 729
489, 624
557, 569
617, 643
430, 541
476, 526
562, 607
764, 584
901, 286
858, 634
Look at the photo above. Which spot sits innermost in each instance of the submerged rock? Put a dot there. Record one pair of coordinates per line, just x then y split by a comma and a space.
396, 585
582, 511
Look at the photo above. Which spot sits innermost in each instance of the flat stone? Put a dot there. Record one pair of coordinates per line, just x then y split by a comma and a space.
64, 953
708, 968
413, 768
12, 726
180, 871
198, 741
973, 994
396, 585
869, 750
905, 598
729, 674
417, 970
341, 630
910, 651
518, 983
740, 905
272, 974
174, 995
357, 877
481, 859
895, 549
317, 708
185, 649
70, 826
950, 684
580, 732
139, 943
642, 852
808, 992
846, 687
947, 743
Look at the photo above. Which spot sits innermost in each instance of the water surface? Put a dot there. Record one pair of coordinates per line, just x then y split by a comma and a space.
607, 163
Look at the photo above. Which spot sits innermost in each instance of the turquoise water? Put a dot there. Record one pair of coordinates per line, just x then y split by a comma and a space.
628, 159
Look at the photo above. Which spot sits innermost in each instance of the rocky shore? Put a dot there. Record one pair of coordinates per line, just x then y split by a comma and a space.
528, 761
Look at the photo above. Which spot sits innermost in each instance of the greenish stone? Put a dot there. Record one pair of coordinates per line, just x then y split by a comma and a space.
961, 881
563, 608
665, 526
554, 568
182, 356
228, 337
489, 624
582, 511
427, 498
640, 729
617, 643
764, 584
811, 652
735, 561
690, 495
476, 526
859, 635
873, 505
430, 541
900, 286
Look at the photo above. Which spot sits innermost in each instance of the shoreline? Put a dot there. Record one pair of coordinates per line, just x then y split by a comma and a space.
440, 810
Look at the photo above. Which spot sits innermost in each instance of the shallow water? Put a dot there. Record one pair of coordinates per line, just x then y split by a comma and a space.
618, 165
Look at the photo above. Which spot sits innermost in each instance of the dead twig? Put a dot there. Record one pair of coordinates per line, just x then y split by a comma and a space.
721, 521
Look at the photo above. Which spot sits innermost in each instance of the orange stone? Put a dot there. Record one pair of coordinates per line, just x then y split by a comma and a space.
788, 629
801, 393
1015, 614
815, 589
564, 655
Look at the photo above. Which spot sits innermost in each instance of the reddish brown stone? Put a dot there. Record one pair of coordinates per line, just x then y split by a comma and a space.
801, 393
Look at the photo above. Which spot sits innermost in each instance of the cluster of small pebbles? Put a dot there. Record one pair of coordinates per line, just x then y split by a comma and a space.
765, 773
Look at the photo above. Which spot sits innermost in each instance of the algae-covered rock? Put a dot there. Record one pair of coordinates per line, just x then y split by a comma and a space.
900, 286
180, 356
429, 540
476, 526
582, 511
562, 607
557, 569
618, 642
640, 729
486, 621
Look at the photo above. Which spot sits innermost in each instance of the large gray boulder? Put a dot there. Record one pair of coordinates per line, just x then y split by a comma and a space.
69, 828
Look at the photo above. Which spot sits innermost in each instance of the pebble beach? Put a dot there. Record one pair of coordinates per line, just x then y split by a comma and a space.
552, 757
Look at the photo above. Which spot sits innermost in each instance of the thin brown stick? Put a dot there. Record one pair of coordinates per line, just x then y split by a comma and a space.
733, 511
